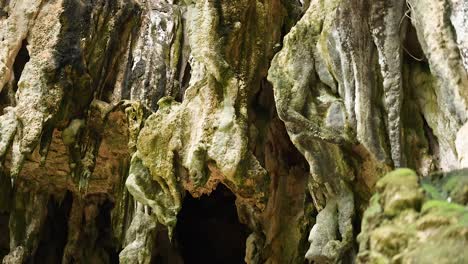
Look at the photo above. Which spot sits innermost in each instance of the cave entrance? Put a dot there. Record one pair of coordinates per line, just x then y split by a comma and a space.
208, 229
54, 233
20, 62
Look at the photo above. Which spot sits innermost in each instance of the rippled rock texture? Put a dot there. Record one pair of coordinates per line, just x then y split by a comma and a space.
276, 118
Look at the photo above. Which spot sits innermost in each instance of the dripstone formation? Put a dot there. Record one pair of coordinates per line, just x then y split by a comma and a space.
318, 131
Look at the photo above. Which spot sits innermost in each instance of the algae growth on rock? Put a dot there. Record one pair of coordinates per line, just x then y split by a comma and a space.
169, 131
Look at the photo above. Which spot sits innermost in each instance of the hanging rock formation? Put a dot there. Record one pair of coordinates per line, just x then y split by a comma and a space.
112, 113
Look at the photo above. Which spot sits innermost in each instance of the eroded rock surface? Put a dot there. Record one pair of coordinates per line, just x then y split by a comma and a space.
113, 112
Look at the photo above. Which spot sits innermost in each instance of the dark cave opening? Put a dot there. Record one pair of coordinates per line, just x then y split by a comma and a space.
55, 232
5, 203
7, 94
184, 82
21, 59
5, 237
208, 229
411, 45
104, 228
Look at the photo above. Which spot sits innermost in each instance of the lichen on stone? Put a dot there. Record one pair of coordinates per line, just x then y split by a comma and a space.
115, 114
403, 225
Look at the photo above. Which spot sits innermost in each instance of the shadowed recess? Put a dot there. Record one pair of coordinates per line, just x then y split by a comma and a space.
208, 229
55, 232
21, 59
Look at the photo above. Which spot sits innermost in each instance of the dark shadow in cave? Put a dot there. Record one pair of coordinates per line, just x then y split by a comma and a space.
184, 82
5, 237
208, 229
104, 227
164, 251
5, 203
21, 59
54, 234
8, 92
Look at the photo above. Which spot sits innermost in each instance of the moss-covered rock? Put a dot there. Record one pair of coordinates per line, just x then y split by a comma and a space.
404, 226
299, 107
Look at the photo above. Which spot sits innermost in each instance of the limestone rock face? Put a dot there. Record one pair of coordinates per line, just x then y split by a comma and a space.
115, 116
